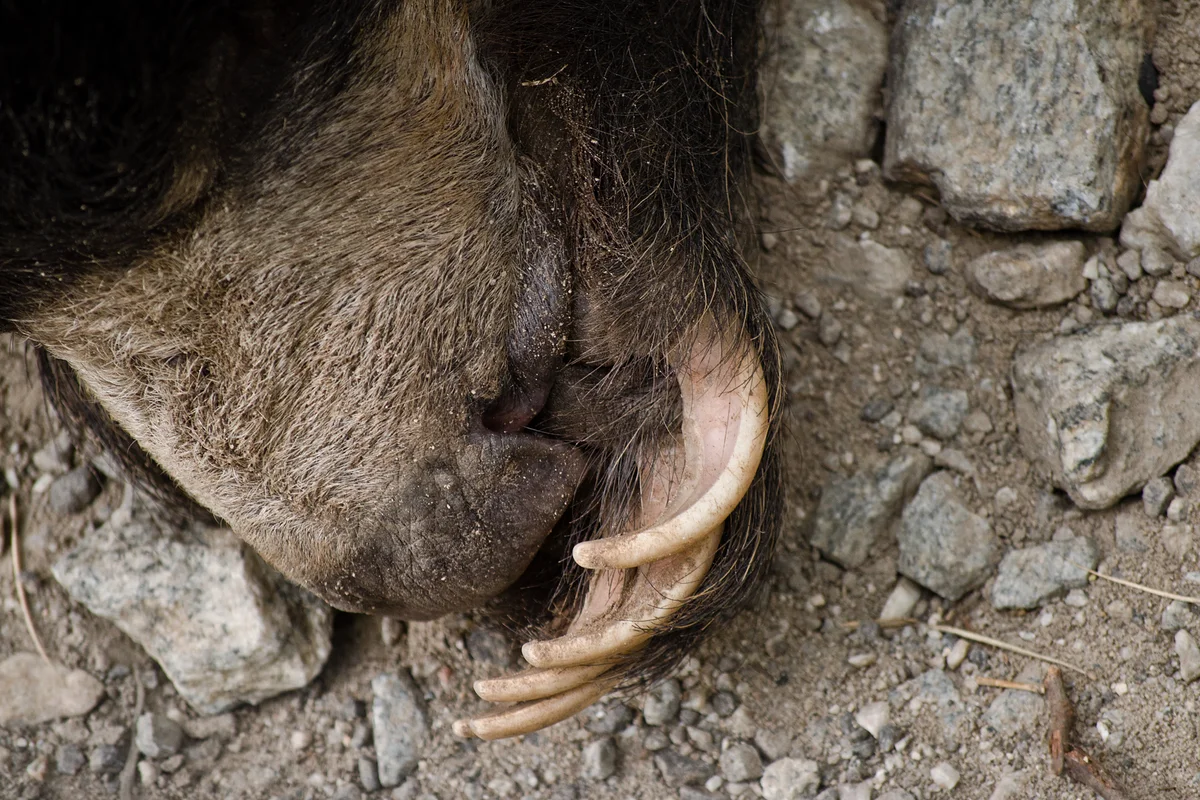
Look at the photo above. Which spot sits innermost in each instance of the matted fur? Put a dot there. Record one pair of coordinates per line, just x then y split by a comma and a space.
392, 287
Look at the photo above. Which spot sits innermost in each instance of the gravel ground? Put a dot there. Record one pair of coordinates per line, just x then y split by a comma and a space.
803, 694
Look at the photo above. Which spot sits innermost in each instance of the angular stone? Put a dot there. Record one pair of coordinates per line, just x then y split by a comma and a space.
791, 779
943, 545
1030, 276
224, 626
1110, 407
599, 759
867, 268
400, 724
1029, 577
1189, 656
853, 513
740, 763
824, 65
939, 412
33, 691
1027, 119
157, 736
1168, 218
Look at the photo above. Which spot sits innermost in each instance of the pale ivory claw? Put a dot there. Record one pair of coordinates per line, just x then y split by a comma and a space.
690, 494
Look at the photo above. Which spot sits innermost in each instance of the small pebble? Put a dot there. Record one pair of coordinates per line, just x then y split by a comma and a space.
1130, 264
944, 775
158, 736
147, 772
809, 304
1076, 598
1155, 262
1171, 294
937, 257
1189, 656
829, 330
1156, 494
901, 601
873, 717
368, 774
106, 759
741, 762
68, 759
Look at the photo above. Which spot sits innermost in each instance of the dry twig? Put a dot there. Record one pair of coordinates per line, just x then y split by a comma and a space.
1147, 589
1062, 718
1000, 683
1078, 765
1012, 648
16, 565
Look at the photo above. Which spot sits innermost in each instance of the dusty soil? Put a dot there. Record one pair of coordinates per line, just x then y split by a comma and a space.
784, 661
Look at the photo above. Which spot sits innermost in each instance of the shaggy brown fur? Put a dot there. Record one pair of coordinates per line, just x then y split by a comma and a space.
397, 297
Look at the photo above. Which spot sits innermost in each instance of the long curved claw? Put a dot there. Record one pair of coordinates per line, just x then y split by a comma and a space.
686, 495
727, 463
659, 589
535, 684
529, 717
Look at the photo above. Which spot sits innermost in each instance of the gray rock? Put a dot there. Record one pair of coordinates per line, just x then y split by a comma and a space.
895, 794
400, 724
599, 759
825, 60
791, 779
829, 330
68, 759
1189, 656
740, 762
33, 691
106, 759
1155, 261
1177, 615
902, 600
1029, 577
1111, 407
809, 304
1156, 495
943, 545
157, 736
939, 412
869, 269
368, 774
1029, 120
876, 409
935, 690
1104, 295
1167, 218
73, 492
608, 718
662, 704
937, 257
679, 770
1187, 481
773, 743
224, 626
1030, 276
853, 513
940, 352
1171, 294
1015, 713
873, 717
490, 646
